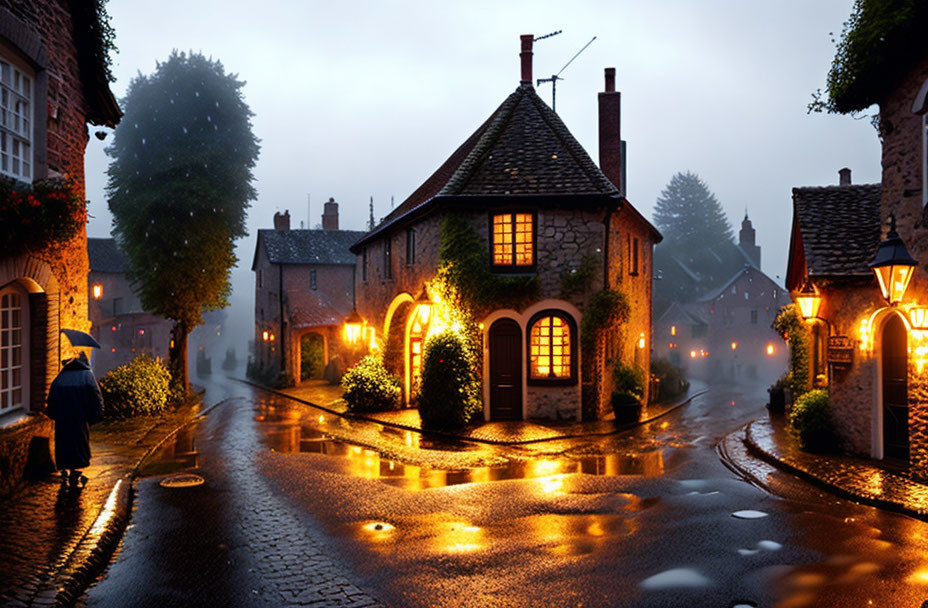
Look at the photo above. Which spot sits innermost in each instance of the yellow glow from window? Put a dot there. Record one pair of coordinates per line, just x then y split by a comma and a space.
692, 354
734, 346
673, 330
265, 335
770, 350
513, 239
641, 340
549, 348
97, 291
523, 237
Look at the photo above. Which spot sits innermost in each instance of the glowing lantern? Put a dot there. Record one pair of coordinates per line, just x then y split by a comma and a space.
265, 335
770, 350
641, 340
423, 307
893, 266
918, 317
97, 291
808, 300
673, 330
734, 346
353, 324
692, 354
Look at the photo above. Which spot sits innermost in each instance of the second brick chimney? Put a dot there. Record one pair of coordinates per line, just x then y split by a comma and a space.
526, 57
282, 220
610, 136
330, 215
844, 177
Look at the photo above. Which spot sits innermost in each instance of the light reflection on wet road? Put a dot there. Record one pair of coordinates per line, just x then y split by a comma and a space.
646, 518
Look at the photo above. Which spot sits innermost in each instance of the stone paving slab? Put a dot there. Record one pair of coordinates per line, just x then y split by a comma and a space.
857, 479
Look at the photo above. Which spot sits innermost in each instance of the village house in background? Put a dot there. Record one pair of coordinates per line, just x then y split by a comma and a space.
864, 295
540, 209
726, 332
303, 292
54, 81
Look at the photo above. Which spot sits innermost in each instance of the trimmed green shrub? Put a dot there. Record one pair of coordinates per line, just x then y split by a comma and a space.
139, 388
369, 387
628, 379
810, 417
449, 393
672, 381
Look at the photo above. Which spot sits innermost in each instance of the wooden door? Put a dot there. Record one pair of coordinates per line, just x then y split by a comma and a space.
895, 391
505, 370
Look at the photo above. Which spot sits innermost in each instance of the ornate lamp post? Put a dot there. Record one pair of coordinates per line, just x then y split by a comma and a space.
893, 266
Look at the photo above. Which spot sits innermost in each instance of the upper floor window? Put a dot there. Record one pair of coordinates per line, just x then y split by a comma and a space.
364, 264
920, 106
410, 246
312, 278
551, 348
260, 279
513, 240
387, 258
632, 255
16, 106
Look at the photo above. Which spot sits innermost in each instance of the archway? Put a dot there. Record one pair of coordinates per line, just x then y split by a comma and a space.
894, 389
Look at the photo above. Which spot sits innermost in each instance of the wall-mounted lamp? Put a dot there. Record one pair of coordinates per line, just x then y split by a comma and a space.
808, 299
424, 307
97, 291
918, 317
353, 325
893, 266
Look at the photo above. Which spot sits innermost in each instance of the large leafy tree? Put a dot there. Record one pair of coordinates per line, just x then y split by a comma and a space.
179, 187
696, 253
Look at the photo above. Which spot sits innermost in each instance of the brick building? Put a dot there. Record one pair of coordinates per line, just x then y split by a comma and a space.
539, 207
874, 345
303, 292
54, 80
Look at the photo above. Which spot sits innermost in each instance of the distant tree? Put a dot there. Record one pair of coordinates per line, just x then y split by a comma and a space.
689, 215
696, 253
179, 187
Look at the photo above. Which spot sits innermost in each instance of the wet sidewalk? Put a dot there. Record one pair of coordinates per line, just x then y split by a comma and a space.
325, 396
857, 479
55, 540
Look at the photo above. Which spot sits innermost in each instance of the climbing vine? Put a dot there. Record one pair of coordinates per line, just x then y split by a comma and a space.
579, 279
792, 328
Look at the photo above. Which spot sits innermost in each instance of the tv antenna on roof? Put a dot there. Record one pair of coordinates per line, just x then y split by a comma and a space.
553, 80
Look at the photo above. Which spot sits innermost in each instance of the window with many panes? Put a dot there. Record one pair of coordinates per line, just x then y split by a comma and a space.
13, 359
551, 348
513, 240
16, 106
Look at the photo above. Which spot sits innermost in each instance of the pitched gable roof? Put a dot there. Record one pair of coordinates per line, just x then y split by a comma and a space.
836, 231
708, 297
307, 246
522, 149
105, 256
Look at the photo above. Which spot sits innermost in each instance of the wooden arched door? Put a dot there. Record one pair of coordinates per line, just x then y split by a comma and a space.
505, 370
895, 390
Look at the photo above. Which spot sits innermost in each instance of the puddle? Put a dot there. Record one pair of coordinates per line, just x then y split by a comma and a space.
177, 454
749, 514
676, 578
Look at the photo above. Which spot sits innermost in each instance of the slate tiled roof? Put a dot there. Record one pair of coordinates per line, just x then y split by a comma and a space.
105, 256
747, 269
312, 309
839, 227
523, 148
308, 246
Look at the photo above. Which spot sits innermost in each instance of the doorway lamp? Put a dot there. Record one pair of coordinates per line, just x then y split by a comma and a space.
353, 325
892, 265
424, 307
808, 299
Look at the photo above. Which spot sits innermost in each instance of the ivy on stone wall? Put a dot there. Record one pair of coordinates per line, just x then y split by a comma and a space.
608, 308
792, 328
579, 279
41, 215
465, 262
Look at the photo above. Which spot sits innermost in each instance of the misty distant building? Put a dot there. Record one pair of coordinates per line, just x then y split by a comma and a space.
304, 289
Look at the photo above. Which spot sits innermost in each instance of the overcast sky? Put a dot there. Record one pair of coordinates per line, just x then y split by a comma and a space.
358, 99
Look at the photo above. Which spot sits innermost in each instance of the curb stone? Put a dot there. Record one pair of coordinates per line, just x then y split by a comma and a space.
92, 554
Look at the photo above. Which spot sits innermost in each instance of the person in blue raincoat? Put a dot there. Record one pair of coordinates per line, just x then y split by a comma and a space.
74, 403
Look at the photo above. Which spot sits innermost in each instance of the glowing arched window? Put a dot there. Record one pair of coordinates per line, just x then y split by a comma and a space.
551, 354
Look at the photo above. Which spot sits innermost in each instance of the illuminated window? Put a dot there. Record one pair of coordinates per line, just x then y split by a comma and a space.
97, 291
14, 371
513, 240
16, 128
550, 348
364, 264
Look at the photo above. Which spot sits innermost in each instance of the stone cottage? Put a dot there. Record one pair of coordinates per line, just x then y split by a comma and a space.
303, 292
551, 232
54, 81
871, 332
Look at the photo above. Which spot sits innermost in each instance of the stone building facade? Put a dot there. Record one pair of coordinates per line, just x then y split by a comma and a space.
54, 79
877, 378
540, 209
303, 292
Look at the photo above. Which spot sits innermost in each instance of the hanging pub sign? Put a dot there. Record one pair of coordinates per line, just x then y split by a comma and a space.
840, 350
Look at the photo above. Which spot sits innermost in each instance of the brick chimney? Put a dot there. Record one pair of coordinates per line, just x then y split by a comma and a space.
844, 177
282, 220
526, 57
610, 137
330, 215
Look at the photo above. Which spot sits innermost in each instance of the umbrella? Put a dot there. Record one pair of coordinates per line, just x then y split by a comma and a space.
80, 338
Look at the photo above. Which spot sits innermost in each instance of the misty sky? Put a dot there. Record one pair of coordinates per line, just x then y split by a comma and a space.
357, 99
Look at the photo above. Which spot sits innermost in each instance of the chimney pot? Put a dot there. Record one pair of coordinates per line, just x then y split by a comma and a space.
330, 215
610, 80
282, 220
844, 177
526, 58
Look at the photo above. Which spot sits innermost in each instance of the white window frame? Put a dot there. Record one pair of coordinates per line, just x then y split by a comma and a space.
920, 106
17, 124
8, 344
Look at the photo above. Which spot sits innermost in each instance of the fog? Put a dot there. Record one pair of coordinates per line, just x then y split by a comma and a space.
358, 99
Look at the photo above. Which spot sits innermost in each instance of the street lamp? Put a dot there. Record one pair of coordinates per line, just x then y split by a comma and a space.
893, 266
353, 324
808, 300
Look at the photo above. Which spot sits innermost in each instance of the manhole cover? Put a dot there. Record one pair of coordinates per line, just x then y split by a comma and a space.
185, 480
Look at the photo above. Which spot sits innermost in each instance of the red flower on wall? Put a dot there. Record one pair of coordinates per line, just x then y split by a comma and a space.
40, 215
